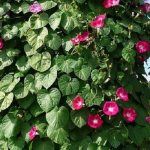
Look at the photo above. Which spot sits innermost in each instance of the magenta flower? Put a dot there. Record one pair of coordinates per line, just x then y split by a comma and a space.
35, 8
80, 38
77, 103
94, 121
147, 119
32, 133
129, 114
84, 36
75, 40
142, 46
110, 108
98, 22
122, 94
110, 3
145, 8
1, 43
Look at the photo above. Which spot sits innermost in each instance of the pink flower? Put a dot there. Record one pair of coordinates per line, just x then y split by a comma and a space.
80, 38
94, 121
77, 103
122, 94
98, 22
35, 8
147, 119
142, 46
1, 43
76, 40
110, 108
84, 36
110, 3
129, 114
145, 8
32, 133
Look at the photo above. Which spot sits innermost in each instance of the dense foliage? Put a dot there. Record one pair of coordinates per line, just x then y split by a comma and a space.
71, 75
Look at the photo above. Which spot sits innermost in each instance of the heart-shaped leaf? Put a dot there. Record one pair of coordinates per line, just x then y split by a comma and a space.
48, 100
40, 62
67, 85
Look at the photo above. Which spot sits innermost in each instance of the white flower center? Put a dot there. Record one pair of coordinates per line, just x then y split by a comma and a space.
95, 121
122, 95
80, 103
110, 109
141, 47
128, 115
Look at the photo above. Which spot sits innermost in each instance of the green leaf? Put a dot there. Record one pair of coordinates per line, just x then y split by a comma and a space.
101, 138
83, 72
12, 52
54, 20
3, 145
43, 144
5, 60
9, 32
29, 83
128, 53
40, 62
35, 109
59, 135
58, 117
2, 95
22, 64
47, 4
6, 102
65, 64
5, 82
24, 131
92, 96
25, 7
114, 140
67, 85
20, 91
133, 134
92, 146
16, 143
53, 41
79, 118
27, 101
10, 125
80, 1
36, 38
67, 45
49, 77
38, 21
48, 100
8, 83
67, 22
136, 28
97, 76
